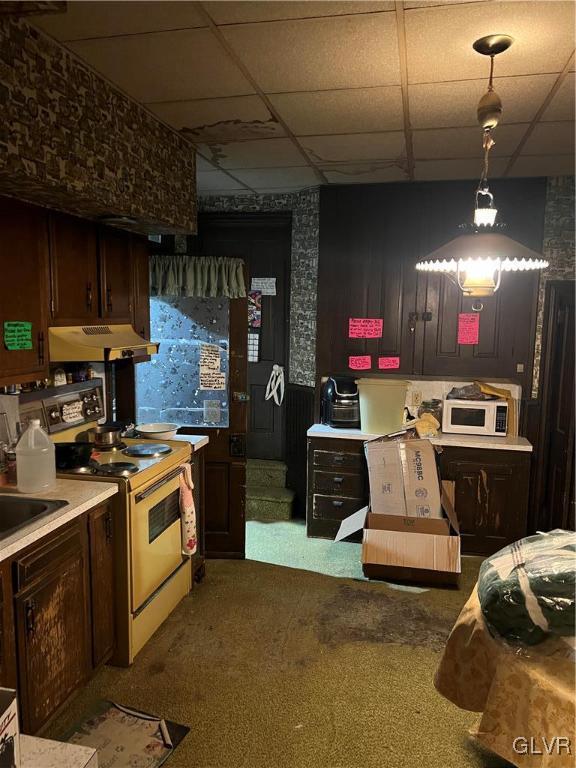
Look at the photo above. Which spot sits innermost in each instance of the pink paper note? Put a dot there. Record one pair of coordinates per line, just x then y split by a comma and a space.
468, 327
364, 328
388, 363
360, 363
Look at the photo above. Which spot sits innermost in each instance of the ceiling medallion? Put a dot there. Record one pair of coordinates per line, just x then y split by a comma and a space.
478, 257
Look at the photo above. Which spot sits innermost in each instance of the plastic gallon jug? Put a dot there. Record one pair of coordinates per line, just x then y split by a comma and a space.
35, 460
381, 405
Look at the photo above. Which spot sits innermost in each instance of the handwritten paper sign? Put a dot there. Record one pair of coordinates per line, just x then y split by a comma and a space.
468, 327
17, 335
364, 328
212, 380
388, 363
266, 285
360, 363
209, 358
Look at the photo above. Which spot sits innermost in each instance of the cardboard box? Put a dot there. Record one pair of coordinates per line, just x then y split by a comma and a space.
9, 729
403, 478
406, 548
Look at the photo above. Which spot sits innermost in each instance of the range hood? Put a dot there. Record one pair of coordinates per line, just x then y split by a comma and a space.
95, 343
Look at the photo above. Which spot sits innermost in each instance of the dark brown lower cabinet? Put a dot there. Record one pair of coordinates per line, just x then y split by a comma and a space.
491, 490
52, 623
101, 538
491, 495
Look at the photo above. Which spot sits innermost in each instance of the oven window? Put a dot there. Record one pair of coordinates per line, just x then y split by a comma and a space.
468, 417
162, 515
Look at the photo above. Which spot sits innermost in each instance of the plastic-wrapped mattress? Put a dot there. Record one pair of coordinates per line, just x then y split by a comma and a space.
526, 590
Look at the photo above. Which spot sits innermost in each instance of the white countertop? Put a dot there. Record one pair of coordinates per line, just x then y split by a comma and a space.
448, 440
45, 753
196, 441
81, 495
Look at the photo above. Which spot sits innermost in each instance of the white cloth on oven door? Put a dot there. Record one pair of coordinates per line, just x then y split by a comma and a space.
188, 512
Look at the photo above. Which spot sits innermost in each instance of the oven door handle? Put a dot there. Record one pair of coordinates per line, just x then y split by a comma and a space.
153, 488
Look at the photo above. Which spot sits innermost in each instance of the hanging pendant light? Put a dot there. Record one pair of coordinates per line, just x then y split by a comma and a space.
478, 257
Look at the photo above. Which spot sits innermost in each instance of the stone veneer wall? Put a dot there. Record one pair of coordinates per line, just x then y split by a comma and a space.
71, 141
304, 268
558, 249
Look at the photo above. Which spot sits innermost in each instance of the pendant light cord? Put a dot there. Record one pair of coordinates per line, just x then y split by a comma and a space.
487, 144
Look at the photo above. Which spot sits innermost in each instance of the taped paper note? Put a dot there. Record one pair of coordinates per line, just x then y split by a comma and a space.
209, 358
360, 363
364, 328
17, 335
388, 363
468, 327
212, 380
266, 285
212, 411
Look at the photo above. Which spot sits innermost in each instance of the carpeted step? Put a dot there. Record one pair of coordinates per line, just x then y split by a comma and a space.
263, 472
265, 502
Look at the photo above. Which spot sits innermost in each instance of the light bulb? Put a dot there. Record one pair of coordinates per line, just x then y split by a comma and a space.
485, 217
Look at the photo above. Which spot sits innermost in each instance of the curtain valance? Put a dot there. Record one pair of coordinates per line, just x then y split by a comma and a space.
200, 276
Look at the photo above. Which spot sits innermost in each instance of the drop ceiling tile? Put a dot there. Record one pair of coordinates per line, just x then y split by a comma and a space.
264, 153
242, 12
437, 170
215, 180
236, 118
324, 150
343, 111
166, 66
364, 173
88, 19
442, 105
550, 165
319, 54
274, 178
439, 40
551, 139
465, 142
562, 105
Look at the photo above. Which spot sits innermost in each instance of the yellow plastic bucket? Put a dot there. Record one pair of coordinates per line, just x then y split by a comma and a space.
382, 404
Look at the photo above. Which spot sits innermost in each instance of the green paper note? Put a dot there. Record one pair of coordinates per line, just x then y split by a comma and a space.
17, 335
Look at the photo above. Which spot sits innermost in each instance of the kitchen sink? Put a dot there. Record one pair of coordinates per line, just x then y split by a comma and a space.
18, 511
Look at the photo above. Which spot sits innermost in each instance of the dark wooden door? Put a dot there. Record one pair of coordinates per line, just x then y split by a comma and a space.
141, 268
52, 629
8, 671
116, 278
263, 242
491, 496
23, 287
556, 465
74, 270
101, 542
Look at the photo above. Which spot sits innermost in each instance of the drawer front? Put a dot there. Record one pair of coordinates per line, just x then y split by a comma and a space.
339, 483
48, 556
339, 459
335, 508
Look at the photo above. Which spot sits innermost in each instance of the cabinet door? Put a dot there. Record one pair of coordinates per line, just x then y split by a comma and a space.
8, 675
366, 270
51, 627
491, 496
116, 278
141, 267
74, 270
24, 288
101, 537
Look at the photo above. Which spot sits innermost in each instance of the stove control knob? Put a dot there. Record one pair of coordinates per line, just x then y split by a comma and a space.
94, 398
54, 415
89, 411
85, 399
97, 409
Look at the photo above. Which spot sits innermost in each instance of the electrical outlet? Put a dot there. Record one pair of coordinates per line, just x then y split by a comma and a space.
416, 397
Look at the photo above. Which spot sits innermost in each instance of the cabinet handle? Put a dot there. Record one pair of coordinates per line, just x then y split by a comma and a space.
109, 299
337, 458
338, 480
413, 318
337, 503
41, 347
89, 296
30, 617
108, 523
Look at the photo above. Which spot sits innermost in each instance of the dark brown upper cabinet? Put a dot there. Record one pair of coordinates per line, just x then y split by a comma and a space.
74, 271
370, 240
24, 291
116, 277
141, 271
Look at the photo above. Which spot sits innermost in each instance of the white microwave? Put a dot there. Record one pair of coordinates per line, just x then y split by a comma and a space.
475, 417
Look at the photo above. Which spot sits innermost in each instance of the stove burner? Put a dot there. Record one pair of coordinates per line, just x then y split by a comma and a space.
109, 448
147, 450
117, 469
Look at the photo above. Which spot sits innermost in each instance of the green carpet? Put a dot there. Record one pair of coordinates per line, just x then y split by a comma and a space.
274, 667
